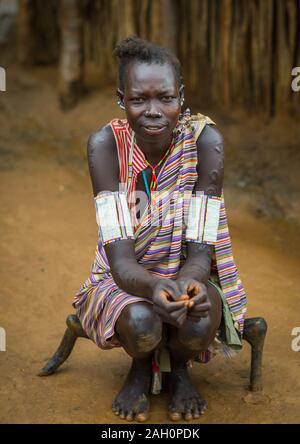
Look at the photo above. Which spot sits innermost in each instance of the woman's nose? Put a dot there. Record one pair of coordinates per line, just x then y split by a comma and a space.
152, 111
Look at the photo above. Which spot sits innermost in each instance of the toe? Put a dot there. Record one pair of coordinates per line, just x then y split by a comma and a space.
176, 410
129, 416
141, 417
116, 409
123, 414
175, 416
196, 413
194, 408
188, 409
202, 406
142, 410
188, 415
174, 413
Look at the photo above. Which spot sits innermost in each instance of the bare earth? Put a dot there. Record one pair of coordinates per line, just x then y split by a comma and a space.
48, 237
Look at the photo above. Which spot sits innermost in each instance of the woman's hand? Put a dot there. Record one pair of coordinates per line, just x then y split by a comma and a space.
199, 304
169, 302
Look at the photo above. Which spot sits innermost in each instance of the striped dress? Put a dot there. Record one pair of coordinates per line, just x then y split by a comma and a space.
160, 244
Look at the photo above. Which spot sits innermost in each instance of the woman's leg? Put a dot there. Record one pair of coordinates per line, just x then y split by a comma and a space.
139, 330
184, 344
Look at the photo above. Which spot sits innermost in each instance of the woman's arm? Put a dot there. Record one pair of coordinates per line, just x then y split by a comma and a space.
210, 171
104, 171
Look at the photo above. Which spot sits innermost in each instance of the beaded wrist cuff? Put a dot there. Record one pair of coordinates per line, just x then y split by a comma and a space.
203, 219
113, 217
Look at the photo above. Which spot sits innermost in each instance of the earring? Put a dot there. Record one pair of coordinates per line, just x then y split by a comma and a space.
121, 104
182, 101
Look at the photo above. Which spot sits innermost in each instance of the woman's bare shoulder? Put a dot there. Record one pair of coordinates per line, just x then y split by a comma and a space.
210, 167
210, 135
103, 160
101, 140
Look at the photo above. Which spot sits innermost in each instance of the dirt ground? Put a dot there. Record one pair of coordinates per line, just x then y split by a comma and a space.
48, 237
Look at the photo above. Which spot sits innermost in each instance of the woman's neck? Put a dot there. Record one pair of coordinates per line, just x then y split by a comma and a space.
154, 150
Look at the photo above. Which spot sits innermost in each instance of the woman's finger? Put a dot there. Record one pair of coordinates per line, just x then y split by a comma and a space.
181, 319
191, 287
171, 318
170, 306
176, 314
198, 316
173, 289
201, 307
200, 297
194, 288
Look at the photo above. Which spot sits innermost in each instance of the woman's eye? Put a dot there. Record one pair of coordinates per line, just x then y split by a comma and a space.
168, 98
137, 100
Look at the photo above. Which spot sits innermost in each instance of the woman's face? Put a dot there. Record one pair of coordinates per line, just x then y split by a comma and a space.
152, 100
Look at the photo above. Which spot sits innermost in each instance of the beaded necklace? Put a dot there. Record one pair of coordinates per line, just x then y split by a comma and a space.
153, 182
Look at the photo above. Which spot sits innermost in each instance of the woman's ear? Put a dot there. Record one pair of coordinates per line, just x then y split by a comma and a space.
120, 96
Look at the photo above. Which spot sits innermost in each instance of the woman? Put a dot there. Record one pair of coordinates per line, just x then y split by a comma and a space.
163, 285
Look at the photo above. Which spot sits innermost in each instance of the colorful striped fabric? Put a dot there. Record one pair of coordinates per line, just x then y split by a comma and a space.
160, 244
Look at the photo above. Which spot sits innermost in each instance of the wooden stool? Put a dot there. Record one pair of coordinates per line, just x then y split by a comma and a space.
255, 330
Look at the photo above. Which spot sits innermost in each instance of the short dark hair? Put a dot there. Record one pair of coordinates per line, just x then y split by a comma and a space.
135, 49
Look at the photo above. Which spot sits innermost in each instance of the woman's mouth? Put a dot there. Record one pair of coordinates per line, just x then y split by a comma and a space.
154, 129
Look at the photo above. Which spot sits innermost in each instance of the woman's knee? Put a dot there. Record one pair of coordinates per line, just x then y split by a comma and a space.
199, 335
140, 327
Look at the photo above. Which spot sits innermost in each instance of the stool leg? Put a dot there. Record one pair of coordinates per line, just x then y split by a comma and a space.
74, 330
255, 330
75, 326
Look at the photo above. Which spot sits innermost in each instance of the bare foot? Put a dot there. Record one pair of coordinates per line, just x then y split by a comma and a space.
132, 401
185, 402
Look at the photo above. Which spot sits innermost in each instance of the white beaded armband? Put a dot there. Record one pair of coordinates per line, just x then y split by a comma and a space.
203, 219
113, 217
